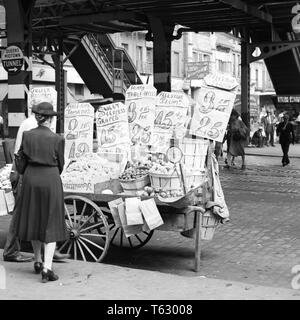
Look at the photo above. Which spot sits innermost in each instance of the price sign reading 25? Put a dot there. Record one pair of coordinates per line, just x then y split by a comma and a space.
205, 124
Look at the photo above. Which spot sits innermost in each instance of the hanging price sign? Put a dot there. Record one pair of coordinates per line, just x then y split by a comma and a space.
112, 128
79, 122
170, 117
140, 101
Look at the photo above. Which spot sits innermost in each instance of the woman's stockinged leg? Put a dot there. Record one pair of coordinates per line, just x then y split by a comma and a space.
49, 252
37, 247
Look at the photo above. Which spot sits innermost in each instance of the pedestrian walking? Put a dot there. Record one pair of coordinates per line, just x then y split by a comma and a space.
286, 135
40, 211
12, 246
238, 133
269, 122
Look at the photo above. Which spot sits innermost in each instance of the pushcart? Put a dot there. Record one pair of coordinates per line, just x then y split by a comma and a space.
92, 229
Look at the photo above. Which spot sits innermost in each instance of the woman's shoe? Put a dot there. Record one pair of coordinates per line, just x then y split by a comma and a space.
49, 275
38, 267
243, 167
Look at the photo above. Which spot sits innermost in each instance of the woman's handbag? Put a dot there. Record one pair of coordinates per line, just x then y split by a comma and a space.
21, 161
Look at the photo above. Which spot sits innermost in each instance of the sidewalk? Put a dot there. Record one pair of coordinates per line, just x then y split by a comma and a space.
276, 151
86, 280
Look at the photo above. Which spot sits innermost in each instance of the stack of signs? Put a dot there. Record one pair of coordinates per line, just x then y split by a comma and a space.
79, 123
215, 101
170, 118
112, 128
43, 94
140, 101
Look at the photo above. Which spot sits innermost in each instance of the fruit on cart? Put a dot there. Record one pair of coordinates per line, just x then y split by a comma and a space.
149, 190
162, 167
142, 193
163, 194
133, 173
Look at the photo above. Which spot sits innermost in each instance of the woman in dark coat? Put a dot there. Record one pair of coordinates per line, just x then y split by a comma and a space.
41, 207
286, 135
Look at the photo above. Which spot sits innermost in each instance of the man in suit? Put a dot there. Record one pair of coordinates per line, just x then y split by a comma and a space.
269, 122
12, 246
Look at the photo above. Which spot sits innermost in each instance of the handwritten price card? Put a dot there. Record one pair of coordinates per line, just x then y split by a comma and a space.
170, 116
211, 113
112, 128
43, 94
79, 122
140, 101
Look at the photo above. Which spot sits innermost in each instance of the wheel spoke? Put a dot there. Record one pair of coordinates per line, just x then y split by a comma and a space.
81, 251
88, 249
94, 226
130, 242
82, 213
94, 235
75, 211
68, 214
89, 218
75, 250
138, 238
92, 243
121, 238
70, 247
117, 230
63, 245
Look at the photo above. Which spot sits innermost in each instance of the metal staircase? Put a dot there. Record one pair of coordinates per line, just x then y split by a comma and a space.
104, 68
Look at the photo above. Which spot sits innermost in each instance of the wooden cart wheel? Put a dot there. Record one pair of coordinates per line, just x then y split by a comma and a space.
88, 230
118, 238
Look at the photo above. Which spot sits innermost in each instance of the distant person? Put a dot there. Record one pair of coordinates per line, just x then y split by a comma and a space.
257, 138
269, 122
286, 134
238, 138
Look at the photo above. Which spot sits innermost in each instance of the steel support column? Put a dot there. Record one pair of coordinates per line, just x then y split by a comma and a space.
162, 40
60, 86
19, 33
245, 81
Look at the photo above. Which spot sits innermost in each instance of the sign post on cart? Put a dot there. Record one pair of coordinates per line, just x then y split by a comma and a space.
79, 122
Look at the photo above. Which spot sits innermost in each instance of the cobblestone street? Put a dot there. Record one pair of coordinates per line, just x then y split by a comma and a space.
259, 245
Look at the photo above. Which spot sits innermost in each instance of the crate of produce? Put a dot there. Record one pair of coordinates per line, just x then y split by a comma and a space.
134, 179
194, 152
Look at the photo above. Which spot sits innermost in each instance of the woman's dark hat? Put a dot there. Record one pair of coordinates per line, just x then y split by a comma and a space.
44, 109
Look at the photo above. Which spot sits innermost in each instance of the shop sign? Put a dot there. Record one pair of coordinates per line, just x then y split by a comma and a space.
197, 70
211, 113
79, 122
12, 59
140, 101
222, 81
43, 94
288, 99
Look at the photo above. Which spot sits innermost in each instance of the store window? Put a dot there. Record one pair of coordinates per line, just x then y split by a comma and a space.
139, 57
176, 64
79, 89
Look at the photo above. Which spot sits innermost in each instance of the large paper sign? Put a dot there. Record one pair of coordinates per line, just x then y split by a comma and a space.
140, 101
79, 123
112, 128
43, 94
211, 113
170, 117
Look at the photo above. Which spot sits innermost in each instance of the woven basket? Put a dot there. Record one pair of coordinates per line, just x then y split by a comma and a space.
132, 186
209, 223
165, 182
194, 152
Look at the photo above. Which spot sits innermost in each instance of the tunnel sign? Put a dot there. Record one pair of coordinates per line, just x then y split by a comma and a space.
12, 59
